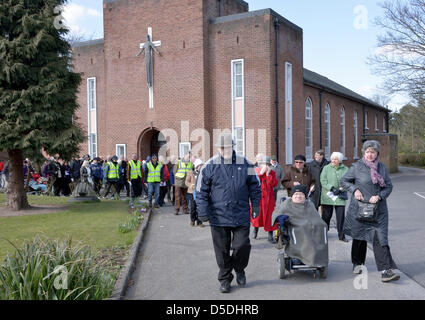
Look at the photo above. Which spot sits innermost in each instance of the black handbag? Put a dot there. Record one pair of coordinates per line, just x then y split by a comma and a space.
367, 212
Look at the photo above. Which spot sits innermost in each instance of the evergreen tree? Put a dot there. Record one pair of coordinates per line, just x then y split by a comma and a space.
37, 87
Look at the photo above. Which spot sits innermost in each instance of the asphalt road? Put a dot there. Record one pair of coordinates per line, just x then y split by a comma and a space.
177, 261
407, 222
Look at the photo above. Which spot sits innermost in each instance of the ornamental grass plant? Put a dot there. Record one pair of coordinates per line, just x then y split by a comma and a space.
44, 269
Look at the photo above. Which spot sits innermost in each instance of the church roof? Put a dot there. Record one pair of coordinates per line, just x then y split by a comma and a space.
240, 1
88, 43
316, 80
250, 14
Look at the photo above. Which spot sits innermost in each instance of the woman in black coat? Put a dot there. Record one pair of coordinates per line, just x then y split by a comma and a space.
316, 167
368, 180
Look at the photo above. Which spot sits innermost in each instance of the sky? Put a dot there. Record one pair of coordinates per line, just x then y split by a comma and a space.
339, 36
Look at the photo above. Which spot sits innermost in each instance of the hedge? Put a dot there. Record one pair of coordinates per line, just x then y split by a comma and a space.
413, 159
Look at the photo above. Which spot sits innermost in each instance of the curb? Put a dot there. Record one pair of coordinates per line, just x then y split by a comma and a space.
123, 280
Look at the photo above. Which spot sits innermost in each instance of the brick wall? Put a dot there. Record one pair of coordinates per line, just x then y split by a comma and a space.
350, 106
247, 39
89, 60
3, 155
192, 75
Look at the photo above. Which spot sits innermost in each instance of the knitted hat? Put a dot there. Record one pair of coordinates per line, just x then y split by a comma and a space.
371, 144
299, 188
300, 157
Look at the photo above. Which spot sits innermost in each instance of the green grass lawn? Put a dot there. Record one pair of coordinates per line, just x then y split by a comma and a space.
39, 200
95, 224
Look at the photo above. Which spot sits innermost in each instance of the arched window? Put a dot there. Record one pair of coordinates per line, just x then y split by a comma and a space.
327, 131
308, 129
342, 125
355, 138
376, 123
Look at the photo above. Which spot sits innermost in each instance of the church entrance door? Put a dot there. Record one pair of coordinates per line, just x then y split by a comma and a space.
149, 142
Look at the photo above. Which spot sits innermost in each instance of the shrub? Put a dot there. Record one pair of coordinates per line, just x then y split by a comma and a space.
402, 158
413, 159
53, 270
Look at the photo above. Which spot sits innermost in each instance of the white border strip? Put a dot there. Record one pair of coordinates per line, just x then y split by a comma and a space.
293, 236
419, 195
326, 239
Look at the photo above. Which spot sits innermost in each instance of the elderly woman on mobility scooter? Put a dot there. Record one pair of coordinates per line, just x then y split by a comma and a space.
302, 235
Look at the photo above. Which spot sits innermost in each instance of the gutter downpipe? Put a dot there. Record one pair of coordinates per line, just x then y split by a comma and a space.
320, 117
364, 123
219, 8
276, 27
387, 120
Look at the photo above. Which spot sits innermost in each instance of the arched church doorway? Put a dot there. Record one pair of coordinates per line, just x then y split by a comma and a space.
149, 142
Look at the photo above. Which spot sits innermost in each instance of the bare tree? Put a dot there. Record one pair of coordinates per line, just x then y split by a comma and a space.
400, 57
381, 99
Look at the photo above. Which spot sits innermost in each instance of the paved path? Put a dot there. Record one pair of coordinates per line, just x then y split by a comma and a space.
177, 262
407, 222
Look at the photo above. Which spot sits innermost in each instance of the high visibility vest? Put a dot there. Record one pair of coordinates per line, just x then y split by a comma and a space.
183, 169
113, 171
135, 169
154, 174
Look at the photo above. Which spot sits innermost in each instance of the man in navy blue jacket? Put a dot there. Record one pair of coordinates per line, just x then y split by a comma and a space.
225, 187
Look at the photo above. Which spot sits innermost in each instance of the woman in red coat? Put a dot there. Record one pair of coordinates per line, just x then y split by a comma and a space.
268, 181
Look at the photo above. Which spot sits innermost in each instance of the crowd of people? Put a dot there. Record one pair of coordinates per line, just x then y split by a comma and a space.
232, 199
224, 194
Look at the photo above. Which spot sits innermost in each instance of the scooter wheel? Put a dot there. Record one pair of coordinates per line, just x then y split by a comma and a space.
323, 272
281, 265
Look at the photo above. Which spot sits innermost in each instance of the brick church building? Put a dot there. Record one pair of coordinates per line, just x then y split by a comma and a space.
215, 66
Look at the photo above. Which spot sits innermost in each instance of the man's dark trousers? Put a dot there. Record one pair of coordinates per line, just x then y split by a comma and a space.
226, 239
136, 184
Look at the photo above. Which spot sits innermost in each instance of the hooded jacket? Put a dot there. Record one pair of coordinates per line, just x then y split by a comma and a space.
224, 191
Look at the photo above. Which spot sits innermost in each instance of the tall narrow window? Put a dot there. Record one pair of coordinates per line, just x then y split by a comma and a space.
92, 116
342, 126
309, 129
238, 105
288, 112
355, 137
384, 124
327, 131
376, 123
93, 145
365, 121
91, 88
